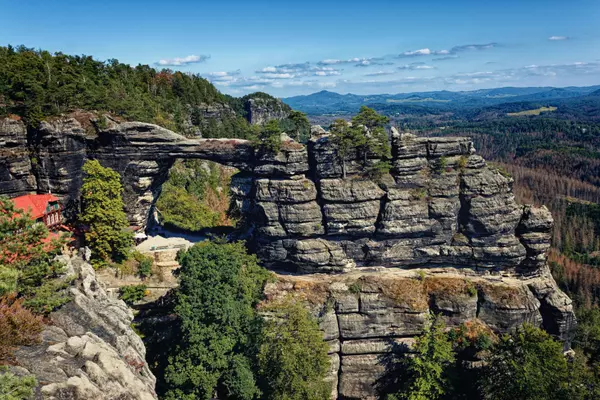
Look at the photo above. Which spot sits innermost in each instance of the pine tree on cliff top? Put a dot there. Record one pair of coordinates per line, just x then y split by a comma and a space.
366, 136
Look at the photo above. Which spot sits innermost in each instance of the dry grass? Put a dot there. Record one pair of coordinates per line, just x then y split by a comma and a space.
449, 287
18, 325
404, 292
503, 294
537, 111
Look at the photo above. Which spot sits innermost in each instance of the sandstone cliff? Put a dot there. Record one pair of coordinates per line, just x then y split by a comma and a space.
348, 246
88, 350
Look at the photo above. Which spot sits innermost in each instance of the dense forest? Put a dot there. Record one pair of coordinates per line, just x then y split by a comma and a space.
36, 84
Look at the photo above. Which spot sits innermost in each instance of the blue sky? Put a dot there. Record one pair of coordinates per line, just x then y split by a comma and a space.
298, 47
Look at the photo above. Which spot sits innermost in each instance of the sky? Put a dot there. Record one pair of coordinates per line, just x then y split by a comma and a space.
288, 48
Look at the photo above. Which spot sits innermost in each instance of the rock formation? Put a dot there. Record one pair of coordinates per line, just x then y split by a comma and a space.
260, 110
89, 350
352, 243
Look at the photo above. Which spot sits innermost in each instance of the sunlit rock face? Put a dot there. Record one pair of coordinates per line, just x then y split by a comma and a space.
89, 350
349, 246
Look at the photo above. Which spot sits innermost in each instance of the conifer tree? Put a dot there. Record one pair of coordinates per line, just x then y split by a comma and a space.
103, 213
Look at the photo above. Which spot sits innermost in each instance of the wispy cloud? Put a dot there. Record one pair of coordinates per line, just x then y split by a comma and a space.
373, 62
380, 73
466, 47
448, 53
445, 58
415, 66
424, 52
334, 61
222, 76
291, 71
179, 61
557, 38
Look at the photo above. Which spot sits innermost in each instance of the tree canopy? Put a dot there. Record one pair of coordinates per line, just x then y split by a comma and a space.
219, 286
292, 357
104, 214
27, 264
364, 137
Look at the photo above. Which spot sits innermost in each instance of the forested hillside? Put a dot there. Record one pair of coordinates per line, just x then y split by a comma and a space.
36, 84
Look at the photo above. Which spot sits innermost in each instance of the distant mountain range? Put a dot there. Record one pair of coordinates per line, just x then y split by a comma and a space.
331, 103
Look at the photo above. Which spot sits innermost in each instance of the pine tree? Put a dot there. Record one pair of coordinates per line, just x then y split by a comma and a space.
103, 213
292, 358
426, 371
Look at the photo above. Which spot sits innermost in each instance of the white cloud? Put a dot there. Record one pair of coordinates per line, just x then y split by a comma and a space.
415, 66
179, 61
359, 61
420, 52
222, 76
558, 38
380, 73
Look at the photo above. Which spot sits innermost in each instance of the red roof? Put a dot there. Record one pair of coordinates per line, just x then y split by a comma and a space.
35, 203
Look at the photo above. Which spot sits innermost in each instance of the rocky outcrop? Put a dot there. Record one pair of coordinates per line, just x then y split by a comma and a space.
16, 175
89, 350
368, 316
353, 242
440, 205
261, 110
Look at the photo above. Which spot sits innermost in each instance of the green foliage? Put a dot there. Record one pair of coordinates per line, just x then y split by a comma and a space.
426, 372
293, 355
378, 170
27, 264
462, 162
300, 129
8, 280
144, 264
220, 284
529, 365
441, 165
103, 213
132, 293
14, 387
347, 139
354, 288
48, 296
196, 196
365, 137
269, 137
35, 84
587, 335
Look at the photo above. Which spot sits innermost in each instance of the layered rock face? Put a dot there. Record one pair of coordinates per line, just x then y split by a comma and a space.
351, 243
16, 176
370, 317
441, 205
261, 110
89, 350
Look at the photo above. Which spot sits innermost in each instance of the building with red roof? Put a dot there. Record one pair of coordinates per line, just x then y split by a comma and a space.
44, 208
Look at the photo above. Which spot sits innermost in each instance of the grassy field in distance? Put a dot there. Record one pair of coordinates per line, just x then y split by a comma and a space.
537, 111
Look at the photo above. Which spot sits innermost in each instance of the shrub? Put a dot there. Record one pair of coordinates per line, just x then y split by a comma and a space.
8, 280
269, 137
132, 293
354, 288
13, 387
442, 164
144, 264
462, 162
18, 325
